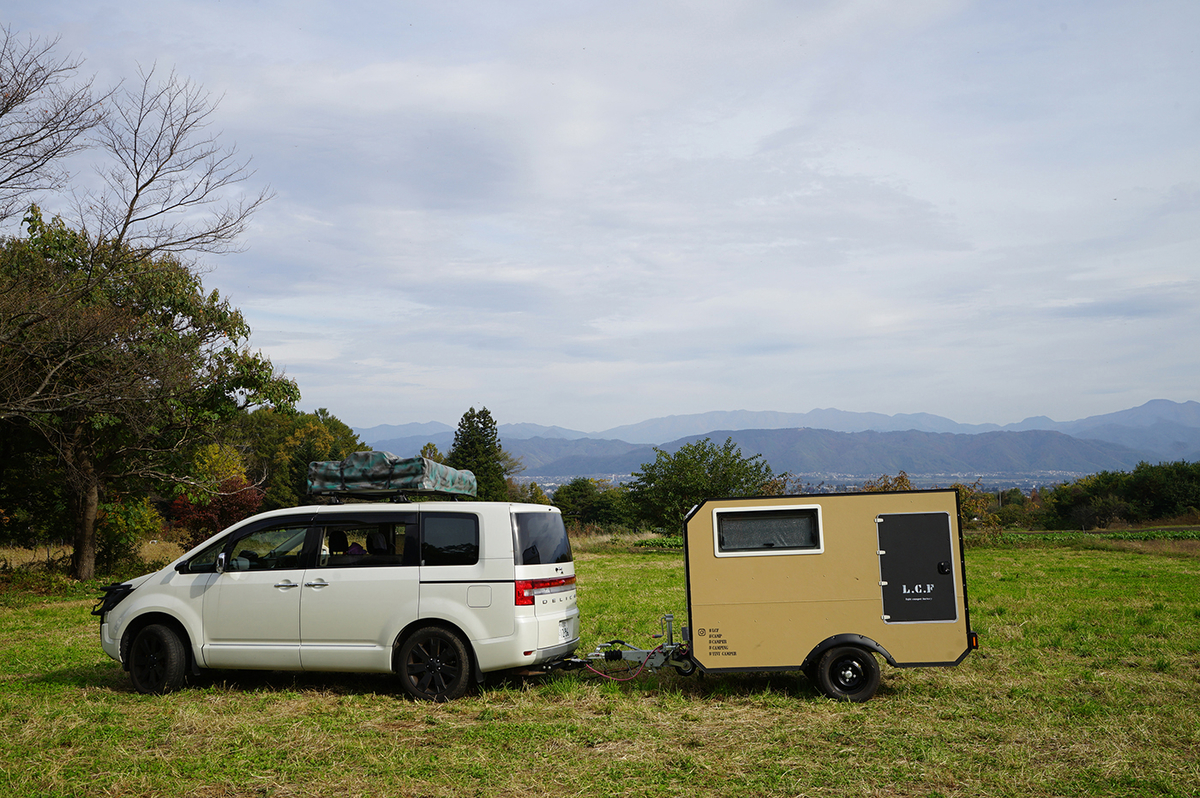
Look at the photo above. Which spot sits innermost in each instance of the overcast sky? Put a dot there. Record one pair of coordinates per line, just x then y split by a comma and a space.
589, 214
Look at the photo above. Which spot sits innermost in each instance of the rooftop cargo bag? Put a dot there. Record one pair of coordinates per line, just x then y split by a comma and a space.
378, 473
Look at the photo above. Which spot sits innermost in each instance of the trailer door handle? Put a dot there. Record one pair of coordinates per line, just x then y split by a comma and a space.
943, 568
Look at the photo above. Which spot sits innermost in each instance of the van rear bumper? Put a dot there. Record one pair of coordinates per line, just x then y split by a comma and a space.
556, 652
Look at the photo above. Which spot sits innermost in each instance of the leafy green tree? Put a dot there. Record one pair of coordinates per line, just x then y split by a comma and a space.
430, 452
1014, 509
528, 493
612, 505
576, 498
1164, 490
122, 526
594, 501
663, 491
1091, 502
974, 503
34, 503
1148, 493
887, 483
1012, 496
217, 495
477, 449
143, 364
109, 346
281, 445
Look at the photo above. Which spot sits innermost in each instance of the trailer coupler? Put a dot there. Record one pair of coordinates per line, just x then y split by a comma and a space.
667, 654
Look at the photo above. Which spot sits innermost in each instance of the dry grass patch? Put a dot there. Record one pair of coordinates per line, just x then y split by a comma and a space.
19, 557
1171, 548
1086, 684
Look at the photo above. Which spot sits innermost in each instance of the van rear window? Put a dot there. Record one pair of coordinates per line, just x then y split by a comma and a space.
541, 539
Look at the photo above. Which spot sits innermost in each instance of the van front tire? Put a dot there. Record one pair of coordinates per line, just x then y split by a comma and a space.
434, 665
157, 660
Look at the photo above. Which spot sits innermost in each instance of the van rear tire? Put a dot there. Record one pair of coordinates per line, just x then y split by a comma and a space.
848, 673
434, 665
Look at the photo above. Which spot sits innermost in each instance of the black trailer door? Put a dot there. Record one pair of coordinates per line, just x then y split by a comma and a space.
916, 567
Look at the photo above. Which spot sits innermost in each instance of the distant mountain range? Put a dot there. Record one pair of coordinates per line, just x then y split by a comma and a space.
834, 442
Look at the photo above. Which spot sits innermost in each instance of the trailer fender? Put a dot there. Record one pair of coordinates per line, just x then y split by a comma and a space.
862, 641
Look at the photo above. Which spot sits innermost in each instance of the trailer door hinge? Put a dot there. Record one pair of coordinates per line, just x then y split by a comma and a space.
883, 584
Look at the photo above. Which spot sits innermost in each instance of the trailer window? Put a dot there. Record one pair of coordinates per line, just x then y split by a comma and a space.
791, 530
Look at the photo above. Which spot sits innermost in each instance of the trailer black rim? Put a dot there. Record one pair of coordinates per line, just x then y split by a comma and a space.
848, 673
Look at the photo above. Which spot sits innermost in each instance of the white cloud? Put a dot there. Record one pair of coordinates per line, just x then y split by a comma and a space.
594, 213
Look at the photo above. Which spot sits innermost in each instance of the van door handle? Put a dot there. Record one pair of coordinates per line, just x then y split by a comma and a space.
316, 584
287, 584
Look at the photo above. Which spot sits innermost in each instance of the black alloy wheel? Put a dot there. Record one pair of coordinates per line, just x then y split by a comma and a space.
157, 660
434, 665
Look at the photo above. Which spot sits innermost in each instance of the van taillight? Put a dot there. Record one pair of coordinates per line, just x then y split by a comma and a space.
528, 588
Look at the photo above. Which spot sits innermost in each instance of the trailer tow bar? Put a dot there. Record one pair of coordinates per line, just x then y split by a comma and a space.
666, 654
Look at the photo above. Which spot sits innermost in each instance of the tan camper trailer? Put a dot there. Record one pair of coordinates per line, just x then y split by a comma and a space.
823, 583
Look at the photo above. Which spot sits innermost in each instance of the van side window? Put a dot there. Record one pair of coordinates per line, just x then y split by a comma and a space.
206, 561
792, 530
449, 539
274, 548
353, 545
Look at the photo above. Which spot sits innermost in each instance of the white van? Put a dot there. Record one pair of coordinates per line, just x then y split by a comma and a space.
437, 592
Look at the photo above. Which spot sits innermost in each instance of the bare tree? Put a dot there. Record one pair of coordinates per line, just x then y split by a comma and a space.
109, 346
43, 116
170, 187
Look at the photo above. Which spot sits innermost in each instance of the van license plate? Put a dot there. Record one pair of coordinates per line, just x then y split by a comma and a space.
564, 631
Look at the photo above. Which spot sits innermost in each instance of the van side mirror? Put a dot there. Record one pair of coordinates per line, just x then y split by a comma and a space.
220, 565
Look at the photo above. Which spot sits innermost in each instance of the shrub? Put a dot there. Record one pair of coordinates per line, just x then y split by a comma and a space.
122, 527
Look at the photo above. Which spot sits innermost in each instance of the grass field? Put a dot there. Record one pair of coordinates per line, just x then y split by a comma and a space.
1087, 683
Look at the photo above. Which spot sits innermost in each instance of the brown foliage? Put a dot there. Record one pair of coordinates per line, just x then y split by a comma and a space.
234, 500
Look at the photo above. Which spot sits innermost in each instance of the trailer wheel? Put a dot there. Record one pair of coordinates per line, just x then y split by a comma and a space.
848, 673
686, 668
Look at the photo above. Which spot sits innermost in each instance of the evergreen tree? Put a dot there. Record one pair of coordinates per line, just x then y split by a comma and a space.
477, 449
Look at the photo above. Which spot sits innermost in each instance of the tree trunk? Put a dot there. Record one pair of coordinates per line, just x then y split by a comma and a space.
85, 504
